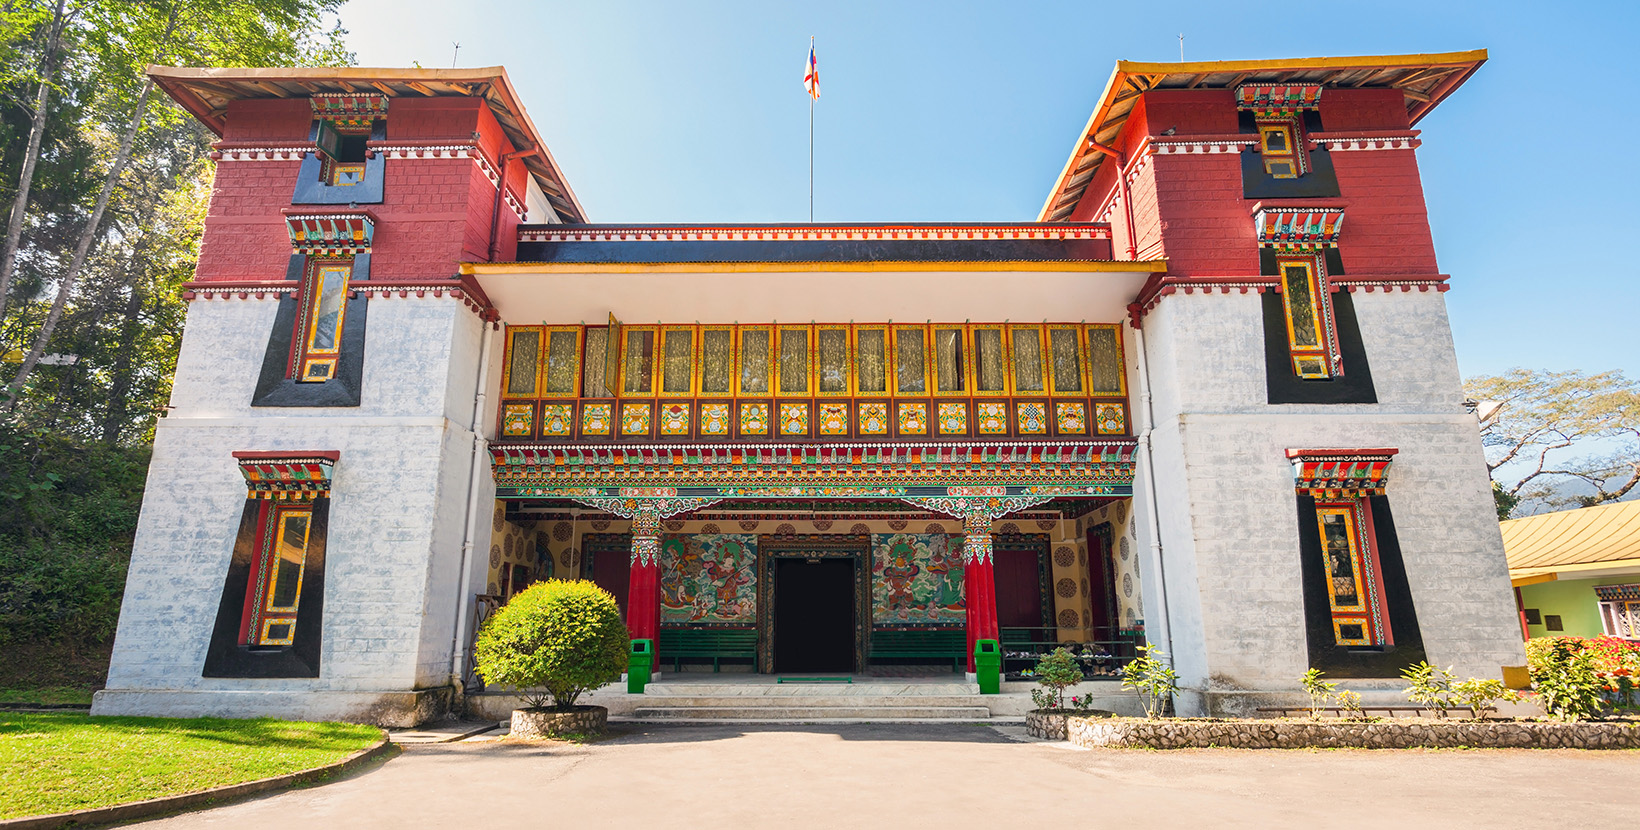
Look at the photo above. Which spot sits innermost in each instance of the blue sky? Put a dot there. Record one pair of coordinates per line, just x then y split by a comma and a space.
954, 111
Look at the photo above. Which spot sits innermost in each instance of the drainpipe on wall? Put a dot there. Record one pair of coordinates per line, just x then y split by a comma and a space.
500, 192
458, 647
1127, 203
1165, 629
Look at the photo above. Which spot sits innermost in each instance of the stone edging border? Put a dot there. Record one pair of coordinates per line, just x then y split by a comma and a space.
216, 797
1268, 734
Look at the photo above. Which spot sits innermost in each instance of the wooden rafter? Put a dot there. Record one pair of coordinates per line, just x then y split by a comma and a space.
1436, 74
276, 89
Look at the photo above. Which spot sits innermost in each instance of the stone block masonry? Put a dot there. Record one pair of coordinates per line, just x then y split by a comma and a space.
1123, 733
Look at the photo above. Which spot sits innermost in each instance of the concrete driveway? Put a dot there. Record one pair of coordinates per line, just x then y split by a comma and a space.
940, 776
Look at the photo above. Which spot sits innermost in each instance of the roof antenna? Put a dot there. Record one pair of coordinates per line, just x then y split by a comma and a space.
458, 51
1181, 47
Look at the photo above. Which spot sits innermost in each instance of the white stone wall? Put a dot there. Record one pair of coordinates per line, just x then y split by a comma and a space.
1229, 525
398, 500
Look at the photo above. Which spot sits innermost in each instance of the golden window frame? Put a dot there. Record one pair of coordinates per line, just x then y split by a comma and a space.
312, 356
544, 368
1014, 358
1121, 360
1006, 358
741, 353
1320, 351
1052, 378
626, 333
848, 360
511, 354
897, 330
856, 351
667, 332
700, 360
779, 350
964, 355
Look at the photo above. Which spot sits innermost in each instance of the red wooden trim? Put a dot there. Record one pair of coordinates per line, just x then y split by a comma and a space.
317, 211
283, 455
1307, 453
258, 560
1370, 537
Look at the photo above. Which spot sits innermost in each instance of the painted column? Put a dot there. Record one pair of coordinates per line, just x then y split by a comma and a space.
978, 581
643, 592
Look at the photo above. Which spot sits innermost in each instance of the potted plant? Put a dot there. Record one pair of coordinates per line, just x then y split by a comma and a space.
552, 642
1056, 671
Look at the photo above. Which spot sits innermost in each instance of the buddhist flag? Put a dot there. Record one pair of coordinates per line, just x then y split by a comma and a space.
811, 74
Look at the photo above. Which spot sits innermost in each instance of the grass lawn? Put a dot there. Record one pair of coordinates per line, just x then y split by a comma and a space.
47, 694
52, 763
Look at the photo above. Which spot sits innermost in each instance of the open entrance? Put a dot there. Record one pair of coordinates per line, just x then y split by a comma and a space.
814, 613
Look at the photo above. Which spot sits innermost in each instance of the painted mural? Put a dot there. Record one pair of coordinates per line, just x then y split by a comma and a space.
916, 580
709, 578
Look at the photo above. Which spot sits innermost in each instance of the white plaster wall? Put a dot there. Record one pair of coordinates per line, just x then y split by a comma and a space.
397, 511
1228, 518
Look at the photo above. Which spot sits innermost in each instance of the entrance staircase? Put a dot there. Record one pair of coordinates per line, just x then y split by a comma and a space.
805, 702
767, 699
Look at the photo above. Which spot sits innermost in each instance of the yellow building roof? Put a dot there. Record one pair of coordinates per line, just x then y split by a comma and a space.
1593, 538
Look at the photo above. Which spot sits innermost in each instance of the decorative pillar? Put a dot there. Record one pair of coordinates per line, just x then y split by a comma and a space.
646, 507
643, 592
979, 587
978, 507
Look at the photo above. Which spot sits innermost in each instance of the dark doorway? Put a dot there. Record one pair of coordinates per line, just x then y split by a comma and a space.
1102, 573
609, 559
814, 614
1018, 568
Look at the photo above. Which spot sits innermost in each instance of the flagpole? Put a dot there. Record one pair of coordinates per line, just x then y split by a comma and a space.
811, 142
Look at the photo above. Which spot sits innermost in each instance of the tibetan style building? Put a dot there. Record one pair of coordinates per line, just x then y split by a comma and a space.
1207, 400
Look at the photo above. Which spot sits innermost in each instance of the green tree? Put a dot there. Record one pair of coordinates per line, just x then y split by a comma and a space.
1555, 428
556, 639
126, 37
1058, 671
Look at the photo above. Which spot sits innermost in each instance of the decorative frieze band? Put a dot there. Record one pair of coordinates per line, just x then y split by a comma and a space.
1185, 147
708, 233
1340, 473
262, 153
1356, 144
287, 476
278, 289
1167, 284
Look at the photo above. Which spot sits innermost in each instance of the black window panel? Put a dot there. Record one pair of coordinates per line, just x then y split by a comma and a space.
1282, 386
226, 656
1358, 661
1320, 181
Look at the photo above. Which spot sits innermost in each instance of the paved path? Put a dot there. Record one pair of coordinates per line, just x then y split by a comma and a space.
730, 777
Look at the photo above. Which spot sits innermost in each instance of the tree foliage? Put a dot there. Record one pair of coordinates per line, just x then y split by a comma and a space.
1560, 439
561, 637
74, 447
119, 313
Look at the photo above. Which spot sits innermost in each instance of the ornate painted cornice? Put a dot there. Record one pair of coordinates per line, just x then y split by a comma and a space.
1340, 473
287, 476
318, 231
815, 471
810, 233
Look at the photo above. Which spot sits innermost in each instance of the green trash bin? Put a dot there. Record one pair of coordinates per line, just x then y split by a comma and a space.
640, 662
988, 666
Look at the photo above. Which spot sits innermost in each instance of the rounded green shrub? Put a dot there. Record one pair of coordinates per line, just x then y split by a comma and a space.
555, 639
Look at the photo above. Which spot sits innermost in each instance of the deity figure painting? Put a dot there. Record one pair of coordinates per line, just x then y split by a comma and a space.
709, 578
916, 580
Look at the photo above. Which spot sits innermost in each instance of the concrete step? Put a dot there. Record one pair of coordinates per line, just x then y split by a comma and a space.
806, 701
853, 690
808, 713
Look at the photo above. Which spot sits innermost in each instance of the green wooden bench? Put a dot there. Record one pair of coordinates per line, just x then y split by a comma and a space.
942, 644
716, 643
